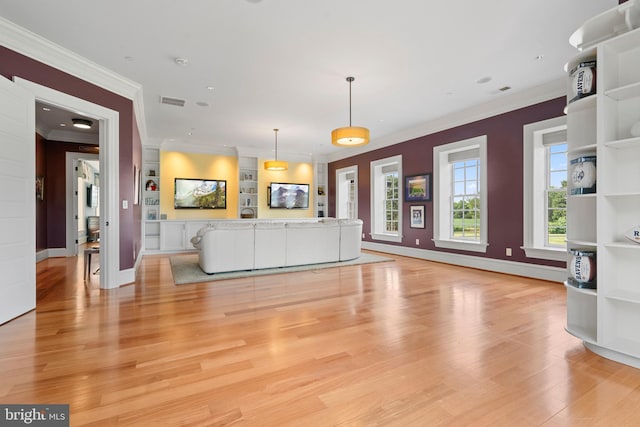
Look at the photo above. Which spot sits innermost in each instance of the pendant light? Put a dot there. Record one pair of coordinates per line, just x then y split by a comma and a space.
276, 165
351, 136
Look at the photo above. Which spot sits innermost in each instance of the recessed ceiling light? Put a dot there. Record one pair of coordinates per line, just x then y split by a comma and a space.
210, 88
46, 109
128, 58
539, 57
62, 125
484, 80
202, 104
182, 61
82, 123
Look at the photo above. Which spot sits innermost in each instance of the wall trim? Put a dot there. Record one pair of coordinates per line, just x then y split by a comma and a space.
534, 271
30, 44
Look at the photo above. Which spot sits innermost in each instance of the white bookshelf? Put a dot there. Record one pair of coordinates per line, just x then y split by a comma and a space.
607, 318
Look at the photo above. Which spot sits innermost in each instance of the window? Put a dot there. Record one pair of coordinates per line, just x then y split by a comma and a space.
386, 199
545, 189
460, 202
391, 202
556, 192
466, 200
347, 192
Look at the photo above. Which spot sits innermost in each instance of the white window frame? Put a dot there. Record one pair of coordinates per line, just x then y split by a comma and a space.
442, 195
534, 190
378, 195
346, 200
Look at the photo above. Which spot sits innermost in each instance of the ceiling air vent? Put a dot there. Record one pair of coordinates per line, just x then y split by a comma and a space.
172, 101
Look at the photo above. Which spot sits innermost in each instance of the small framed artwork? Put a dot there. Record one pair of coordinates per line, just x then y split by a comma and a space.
40, 188
417, 188
417, 216
152, 214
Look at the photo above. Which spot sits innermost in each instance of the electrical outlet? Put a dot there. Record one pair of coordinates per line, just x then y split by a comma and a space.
508, 251
417, 241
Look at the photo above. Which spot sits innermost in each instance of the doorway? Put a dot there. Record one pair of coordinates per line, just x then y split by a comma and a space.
109, 182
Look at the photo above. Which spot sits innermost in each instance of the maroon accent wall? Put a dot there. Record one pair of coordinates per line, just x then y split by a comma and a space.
55, 197
504, 176
15, 64
41, 206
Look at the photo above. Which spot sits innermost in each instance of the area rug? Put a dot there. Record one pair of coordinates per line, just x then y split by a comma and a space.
185, 268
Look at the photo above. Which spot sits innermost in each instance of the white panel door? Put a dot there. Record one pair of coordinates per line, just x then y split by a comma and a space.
17, 201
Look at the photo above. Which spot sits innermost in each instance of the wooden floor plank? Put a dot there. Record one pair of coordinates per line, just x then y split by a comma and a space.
400, 343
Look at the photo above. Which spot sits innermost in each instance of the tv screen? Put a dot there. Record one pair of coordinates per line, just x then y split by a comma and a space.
192, 193
289, 196
92, 196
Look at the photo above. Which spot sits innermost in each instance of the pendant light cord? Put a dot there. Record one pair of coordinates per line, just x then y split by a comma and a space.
276, 131
350, 79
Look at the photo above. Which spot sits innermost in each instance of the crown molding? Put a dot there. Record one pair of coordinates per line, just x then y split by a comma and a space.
501, 105
32, 45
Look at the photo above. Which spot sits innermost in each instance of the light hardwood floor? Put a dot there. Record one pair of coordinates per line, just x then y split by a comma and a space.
404, 343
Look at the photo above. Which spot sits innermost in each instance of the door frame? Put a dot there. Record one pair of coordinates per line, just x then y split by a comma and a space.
109, 143
71, 161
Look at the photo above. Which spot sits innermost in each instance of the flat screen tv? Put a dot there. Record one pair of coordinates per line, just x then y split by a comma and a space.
190, 193
289, 196
92, 195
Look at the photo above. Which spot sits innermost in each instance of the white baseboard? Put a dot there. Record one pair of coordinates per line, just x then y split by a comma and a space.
42, 255
543, 272
126, 277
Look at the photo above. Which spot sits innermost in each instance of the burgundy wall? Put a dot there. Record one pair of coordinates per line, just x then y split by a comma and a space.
504, 178
55, 198
15, 64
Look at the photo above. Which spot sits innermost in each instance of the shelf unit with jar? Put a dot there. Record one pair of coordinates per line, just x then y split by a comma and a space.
321, 190
606, 318
248, 187
150, 182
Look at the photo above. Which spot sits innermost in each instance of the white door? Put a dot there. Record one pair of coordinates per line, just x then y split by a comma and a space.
17, 201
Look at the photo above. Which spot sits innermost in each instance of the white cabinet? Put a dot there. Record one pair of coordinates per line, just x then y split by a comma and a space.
248, 187
175, 236
150, 191
172, 235
607, 319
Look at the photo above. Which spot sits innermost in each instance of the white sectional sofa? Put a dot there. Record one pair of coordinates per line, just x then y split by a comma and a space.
234, 245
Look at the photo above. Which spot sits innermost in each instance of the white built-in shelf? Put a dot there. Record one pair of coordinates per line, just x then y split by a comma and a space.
586, 291
622, 195
591, 148
580, 243
632, 297
624, 245
622, 144
624, 92
581, 104
581, 333
605, 26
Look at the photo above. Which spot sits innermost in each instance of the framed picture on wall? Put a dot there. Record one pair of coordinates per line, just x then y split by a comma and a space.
40, 188
417, 188
417, 216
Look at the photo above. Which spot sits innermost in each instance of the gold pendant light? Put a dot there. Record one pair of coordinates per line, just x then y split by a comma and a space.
276, 165
351, 136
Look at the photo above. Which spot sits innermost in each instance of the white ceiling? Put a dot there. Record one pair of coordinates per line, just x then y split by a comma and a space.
283, 63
